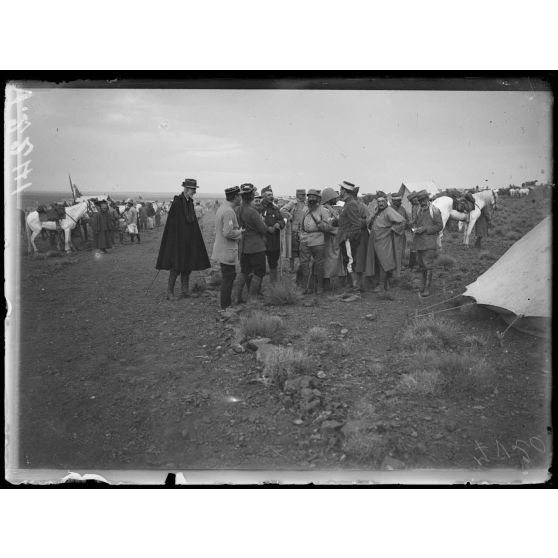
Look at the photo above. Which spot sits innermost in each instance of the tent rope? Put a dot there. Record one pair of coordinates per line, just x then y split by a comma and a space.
518, 317
438, 303
444, 310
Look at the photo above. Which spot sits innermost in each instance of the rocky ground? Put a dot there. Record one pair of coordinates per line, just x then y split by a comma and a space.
114, 377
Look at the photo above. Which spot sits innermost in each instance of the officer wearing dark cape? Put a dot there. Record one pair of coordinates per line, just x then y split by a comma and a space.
182, 246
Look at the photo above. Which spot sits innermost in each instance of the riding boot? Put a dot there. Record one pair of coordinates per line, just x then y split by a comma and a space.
226, 289
254, 291
319, 286
426, 291
185, 284
173, 274
138, 238
273, 275
478, 242
242, 278
424, 276
412, 260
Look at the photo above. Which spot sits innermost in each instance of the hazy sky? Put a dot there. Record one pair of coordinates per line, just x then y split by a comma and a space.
150, 140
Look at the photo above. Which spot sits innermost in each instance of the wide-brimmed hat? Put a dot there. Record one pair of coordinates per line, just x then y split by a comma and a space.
266, 189
329, 194
190, 183
422, 194
412, 196
349, 186
314, 192
396, 197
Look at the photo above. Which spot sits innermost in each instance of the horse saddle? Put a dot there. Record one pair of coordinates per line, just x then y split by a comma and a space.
54, 214
463, 205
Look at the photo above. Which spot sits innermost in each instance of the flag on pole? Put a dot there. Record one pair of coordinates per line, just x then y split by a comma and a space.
77, 192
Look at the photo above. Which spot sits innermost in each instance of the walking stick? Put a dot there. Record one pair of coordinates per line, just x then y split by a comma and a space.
151, 284
280, 255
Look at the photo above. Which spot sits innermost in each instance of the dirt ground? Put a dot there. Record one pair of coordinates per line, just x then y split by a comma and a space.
113, 378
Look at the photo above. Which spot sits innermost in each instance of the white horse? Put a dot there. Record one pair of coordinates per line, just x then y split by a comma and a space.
523, 192
445, 205
73, 214
482, 199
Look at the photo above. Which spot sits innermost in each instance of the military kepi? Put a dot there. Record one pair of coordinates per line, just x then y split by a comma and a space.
190, 183
313, 192
267, 189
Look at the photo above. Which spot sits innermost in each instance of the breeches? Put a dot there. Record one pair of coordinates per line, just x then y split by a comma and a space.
272, 258
253, 263
349, 261
316, 253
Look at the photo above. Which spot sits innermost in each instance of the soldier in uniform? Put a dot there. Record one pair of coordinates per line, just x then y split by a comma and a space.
182, 247
225, 248
412, 197
427, 225
253, 245
293, 212
272, 218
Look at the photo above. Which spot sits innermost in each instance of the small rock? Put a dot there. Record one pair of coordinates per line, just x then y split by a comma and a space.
307, 303
331, 425
370, 317
414, 433
257, 342
335, 324
298, 421
451, 426
238, 348
344, 331
351, 298
185, 432
321, 374
390, 393
392, 464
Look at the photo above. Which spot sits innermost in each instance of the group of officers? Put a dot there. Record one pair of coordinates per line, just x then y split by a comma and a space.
330, 240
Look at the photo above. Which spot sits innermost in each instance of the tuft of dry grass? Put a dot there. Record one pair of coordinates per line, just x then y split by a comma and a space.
317, 335
424, 382
283, 292
474, 341
282, 363
259, 324
451, 374
431, 333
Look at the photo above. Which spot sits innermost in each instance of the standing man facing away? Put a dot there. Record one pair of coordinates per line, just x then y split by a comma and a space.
182, 248
293, 212
131, 214
199, 214
252, 250
225, 248
352, 224
427, 226
272, 218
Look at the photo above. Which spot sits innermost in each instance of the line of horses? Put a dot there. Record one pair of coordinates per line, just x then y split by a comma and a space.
73, 214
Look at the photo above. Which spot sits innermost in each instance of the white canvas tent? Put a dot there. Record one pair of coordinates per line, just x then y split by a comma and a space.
408, 187
518, 285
